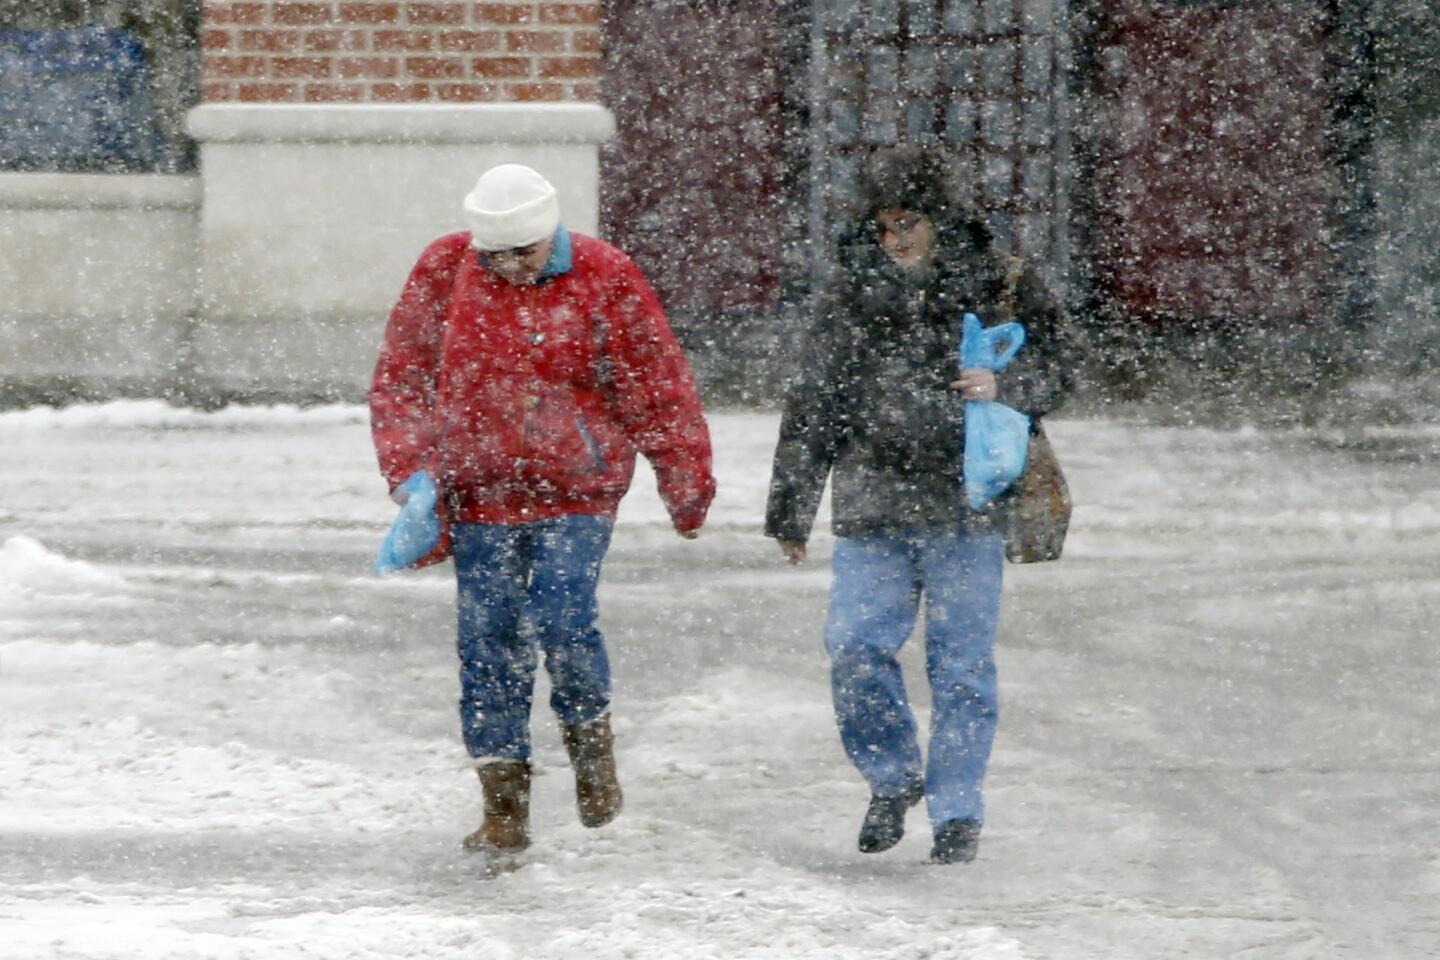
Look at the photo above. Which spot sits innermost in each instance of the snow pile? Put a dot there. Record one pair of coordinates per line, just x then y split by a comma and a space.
181, 739
159, 415
32, 575
118, 928
25, 564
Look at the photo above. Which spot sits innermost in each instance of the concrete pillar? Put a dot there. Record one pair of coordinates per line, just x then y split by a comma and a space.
98, 281
313, 215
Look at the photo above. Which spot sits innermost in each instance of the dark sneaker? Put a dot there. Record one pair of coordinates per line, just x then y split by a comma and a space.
885, 819
956, 841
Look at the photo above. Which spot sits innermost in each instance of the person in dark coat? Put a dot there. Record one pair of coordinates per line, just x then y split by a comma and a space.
878, 406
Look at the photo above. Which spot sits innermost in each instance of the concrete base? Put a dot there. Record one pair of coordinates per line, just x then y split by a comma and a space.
300, 358
98, 275
314, 215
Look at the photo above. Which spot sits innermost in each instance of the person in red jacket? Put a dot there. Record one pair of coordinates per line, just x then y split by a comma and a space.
522, 368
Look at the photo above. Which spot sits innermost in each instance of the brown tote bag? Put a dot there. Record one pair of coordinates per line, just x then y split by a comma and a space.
1040, 514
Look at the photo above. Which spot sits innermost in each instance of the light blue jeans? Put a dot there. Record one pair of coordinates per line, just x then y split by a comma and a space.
874, 600
521, 585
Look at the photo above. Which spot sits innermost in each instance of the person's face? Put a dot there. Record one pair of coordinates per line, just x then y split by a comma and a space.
520, 264
906, 236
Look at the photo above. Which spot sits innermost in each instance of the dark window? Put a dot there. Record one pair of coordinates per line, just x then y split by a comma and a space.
967, 74
97, 85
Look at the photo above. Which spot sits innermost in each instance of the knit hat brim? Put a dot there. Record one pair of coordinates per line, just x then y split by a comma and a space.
511, 206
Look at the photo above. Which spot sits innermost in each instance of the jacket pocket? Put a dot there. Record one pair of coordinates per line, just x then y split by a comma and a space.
587, 438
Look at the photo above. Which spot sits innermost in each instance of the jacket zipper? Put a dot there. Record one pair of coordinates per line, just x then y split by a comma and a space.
530, 399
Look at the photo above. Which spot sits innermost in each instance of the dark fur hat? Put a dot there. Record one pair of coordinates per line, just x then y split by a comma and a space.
912, 178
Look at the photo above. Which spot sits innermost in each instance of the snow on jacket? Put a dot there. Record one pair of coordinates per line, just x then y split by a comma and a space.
872, 398
528, 401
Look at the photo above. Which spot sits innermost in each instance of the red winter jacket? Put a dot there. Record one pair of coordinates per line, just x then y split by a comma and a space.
530, 401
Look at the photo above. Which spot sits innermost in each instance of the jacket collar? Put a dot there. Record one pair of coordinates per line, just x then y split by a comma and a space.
560, 259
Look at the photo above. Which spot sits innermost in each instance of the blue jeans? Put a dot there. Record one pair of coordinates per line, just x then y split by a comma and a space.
874, 599
520, 584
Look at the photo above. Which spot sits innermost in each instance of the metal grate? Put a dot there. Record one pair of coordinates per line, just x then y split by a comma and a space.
977, 77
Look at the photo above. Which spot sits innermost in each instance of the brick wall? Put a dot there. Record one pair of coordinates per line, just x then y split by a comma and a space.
279, 51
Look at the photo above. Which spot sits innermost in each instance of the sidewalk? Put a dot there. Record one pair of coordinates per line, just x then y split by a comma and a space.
223, 739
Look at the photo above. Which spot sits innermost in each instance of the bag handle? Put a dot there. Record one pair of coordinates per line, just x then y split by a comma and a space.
977, 343
1014, 336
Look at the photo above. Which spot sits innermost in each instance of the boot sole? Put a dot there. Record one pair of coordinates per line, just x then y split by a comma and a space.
474, 844
967, 857
592, 820
597, 815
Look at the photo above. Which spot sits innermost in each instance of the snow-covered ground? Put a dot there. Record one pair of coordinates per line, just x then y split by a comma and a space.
221, 738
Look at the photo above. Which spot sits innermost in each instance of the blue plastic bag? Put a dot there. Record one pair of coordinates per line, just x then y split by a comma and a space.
997, 437
416, 530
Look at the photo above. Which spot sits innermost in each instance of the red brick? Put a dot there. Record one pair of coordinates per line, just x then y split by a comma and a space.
573, 13
217, 92
559, 67
269, 41
235, 13
470, 41
369, 12
300, 14
500, 67
585, 91
217, 67
335, 92
367, 68
400, 92
331, 40
466, 92
533, 91
503, 13
410, 40
435, 68
535, 41
314, 68
269, 92
216, 39
443, 13
585, 41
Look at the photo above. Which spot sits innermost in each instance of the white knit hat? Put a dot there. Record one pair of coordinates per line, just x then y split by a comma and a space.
511, 206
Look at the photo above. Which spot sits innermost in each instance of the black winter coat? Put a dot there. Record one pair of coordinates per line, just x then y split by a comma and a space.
872, 399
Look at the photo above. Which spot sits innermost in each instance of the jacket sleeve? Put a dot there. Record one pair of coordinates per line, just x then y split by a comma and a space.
655, 399
1037, 381
810, 430
403, 420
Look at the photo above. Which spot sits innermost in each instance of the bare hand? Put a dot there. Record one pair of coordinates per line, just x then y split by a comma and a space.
977, 383
794, 550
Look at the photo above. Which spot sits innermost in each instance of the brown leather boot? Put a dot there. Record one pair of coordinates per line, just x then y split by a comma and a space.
506, 829
591, 747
